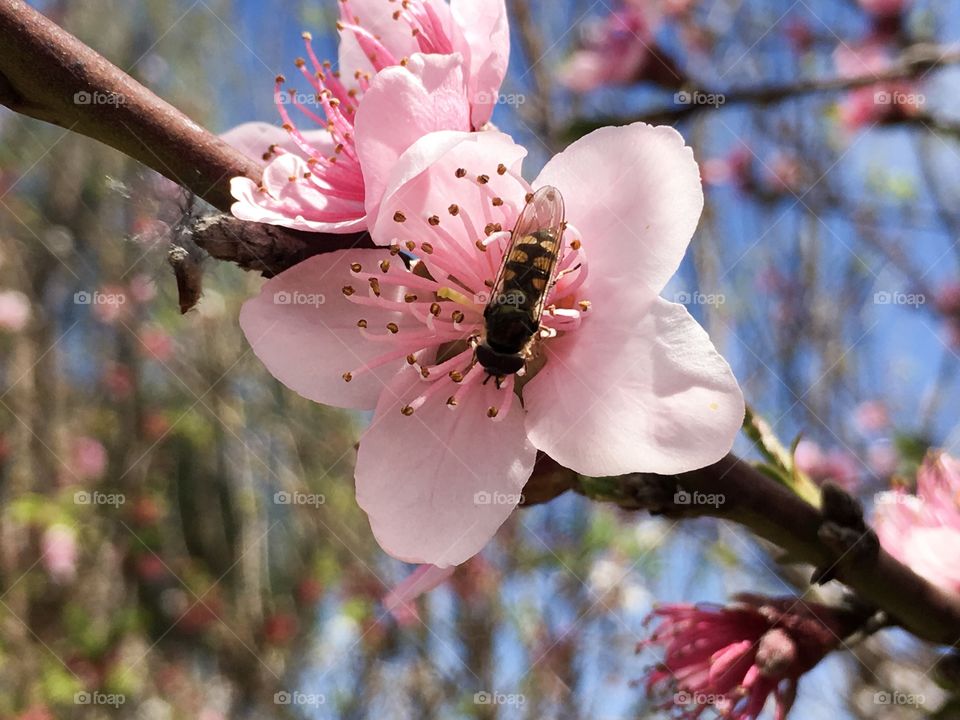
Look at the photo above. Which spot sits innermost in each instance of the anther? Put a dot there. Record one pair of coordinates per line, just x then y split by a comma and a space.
356, 267
409, 298
348, 290
481, 246
399, 217
280, 79
361, 323
457, 316
492, 412
411, 245
433, 220
385, 264
347, 377
575, 244
501, 169
483, 179
461, 172
300, 62
306, 36
411, 359
584, 305
375, 286
393, 328
497, 202
424, 373
427, 248
456, 376
454, 210
407, 410
452, 401
435, 309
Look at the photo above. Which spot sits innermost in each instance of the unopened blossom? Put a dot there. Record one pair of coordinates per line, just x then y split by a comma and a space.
734, 658
922, 530
620, 381
620, 49
444, 64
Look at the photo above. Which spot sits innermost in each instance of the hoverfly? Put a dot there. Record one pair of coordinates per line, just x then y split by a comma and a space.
528, 271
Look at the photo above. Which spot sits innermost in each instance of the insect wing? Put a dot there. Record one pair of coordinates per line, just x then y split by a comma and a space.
532, 260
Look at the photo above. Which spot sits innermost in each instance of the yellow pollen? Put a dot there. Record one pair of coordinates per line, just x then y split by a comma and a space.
456, 376
447, 293
385, 265
584, 305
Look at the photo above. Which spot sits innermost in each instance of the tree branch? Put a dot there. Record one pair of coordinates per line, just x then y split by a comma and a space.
916, 61
774, 513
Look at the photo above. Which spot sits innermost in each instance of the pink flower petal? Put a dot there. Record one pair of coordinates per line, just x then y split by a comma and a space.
305, 331
402, 105
636, 232
255, 138
634, 394
399, 601
437, 484
486, 36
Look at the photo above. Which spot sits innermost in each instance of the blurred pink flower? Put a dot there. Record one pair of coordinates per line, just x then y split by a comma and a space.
923, 530
799, 34
109, 303
885, 101
733, 658
871, 416
620, 49
88, 458
408, 69
14, 310
836, 465
735, 169
883, 459
884, 8
143, 288
156, 343
58, 549
629, 383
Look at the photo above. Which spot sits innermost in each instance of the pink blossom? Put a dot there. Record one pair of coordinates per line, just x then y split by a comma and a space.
405, 70
88, 458
871, 416
835, 465
623, 381
156, 343
14, 310
619, 49
923, 530
735, 168
884, 8
58, 549
881, 102
733, 658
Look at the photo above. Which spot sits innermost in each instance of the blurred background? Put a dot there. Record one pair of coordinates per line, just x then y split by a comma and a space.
151, 565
